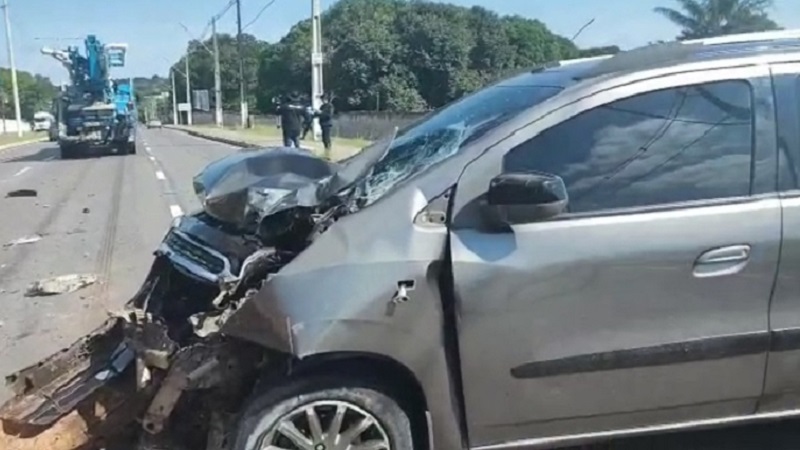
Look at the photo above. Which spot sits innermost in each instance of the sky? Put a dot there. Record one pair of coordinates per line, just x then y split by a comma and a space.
153, 31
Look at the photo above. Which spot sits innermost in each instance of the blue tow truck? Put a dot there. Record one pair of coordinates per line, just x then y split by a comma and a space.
94, 112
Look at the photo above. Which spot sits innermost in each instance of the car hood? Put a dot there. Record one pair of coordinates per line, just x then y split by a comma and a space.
243, 188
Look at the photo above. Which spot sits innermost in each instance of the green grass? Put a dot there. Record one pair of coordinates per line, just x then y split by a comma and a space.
273, 132
11, 137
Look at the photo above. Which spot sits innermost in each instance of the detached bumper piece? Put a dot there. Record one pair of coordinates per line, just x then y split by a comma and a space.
123, 383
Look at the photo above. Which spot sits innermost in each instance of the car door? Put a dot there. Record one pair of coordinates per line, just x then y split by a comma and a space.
782, 386
646, 303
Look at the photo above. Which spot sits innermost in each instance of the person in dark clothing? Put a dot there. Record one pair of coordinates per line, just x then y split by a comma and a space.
291, 112
325, 116
308, 121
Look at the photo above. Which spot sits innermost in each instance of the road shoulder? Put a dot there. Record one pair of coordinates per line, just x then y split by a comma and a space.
248, 139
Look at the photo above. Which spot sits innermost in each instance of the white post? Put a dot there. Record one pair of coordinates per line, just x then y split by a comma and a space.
188, 92
217, 77
174, 100
14, 85
316, 62
242, 93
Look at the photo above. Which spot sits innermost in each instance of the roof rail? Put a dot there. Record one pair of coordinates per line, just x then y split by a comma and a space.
566, 62
761, 36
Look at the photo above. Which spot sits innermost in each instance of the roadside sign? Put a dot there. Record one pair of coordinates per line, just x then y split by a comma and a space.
184, 107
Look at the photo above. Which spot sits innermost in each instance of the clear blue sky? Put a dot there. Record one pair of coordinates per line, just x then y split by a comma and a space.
152, 30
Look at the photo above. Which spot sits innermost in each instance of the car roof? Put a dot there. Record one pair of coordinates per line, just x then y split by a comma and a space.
660, 56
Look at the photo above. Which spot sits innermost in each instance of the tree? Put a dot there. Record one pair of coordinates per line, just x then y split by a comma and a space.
402, 55
708, 18
201, 68
36, 93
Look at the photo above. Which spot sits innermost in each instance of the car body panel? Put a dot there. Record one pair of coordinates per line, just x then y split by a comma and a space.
531, 287
782, 386
337, 297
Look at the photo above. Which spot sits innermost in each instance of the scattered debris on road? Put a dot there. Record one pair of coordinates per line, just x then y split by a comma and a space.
22, 193
23, 241
85, 211
60, 285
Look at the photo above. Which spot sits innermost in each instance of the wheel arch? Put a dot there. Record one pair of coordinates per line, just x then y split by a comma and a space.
400, 381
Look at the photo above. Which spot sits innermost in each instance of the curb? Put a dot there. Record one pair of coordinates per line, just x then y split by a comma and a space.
21, 143
207, 137
243, 144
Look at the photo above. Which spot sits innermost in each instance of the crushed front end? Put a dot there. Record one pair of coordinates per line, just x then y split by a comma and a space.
160, 373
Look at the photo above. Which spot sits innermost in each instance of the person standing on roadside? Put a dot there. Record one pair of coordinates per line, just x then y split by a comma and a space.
291, 111
308, 121
325, 116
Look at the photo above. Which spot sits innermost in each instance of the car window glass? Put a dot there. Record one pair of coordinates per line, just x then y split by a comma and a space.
787, 89
673, 145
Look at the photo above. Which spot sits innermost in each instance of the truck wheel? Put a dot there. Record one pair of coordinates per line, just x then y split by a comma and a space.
324, 412
132, 148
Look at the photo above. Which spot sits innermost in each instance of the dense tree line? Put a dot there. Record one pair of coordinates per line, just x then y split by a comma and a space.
412, 55
383, 55
35, 94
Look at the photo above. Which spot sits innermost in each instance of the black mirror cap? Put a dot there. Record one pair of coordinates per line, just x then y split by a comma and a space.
525, 197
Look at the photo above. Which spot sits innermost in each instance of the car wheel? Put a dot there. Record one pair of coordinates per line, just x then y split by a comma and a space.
328, 413
132, 148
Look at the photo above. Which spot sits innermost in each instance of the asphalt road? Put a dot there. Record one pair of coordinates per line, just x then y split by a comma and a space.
105, 216
96, 215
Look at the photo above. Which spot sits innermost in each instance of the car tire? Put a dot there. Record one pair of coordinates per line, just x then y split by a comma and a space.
324, 395
131, 148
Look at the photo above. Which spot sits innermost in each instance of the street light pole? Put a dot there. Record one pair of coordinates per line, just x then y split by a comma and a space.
14, 85
174, 100
217, 76
242, 97
316, 62
188, 92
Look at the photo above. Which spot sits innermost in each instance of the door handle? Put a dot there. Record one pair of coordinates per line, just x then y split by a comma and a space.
730, 254
722, 261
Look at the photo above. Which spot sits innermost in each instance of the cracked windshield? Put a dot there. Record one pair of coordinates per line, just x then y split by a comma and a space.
400, 225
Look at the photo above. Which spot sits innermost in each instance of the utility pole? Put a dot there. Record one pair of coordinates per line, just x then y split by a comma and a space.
174, 100
242, 97
217, 76
14, 85
316, 62
188, 92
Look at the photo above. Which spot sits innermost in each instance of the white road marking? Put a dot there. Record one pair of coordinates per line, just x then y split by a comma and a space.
160, 175
152, 158
148, 150
23, 170
175, 210
51, 158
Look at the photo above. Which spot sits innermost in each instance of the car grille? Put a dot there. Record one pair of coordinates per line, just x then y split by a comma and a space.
194, 253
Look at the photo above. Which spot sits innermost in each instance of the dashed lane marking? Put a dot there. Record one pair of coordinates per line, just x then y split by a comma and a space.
152, 158
21, 171
175, 210
160, 175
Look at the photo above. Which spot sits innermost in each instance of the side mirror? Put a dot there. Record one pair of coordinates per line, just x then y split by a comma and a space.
525, 197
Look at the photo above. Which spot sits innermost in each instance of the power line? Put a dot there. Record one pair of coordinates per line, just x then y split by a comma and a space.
264, 8
225, 9
217, 17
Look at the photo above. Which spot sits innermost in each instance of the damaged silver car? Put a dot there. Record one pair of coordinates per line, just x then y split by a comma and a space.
578, 252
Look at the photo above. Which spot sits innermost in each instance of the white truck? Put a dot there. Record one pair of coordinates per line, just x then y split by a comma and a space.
42, 121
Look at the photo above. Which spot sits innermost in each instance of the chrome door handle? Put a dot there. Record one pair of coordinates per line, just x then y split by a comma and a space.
729, 254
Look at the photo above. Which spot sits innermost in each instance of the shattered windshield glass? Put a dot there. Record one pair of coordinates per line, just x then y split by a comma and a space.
442, 135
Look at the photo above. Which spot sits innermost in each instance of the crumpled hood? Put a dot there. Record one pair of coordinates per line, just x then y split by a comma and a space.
245, 187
